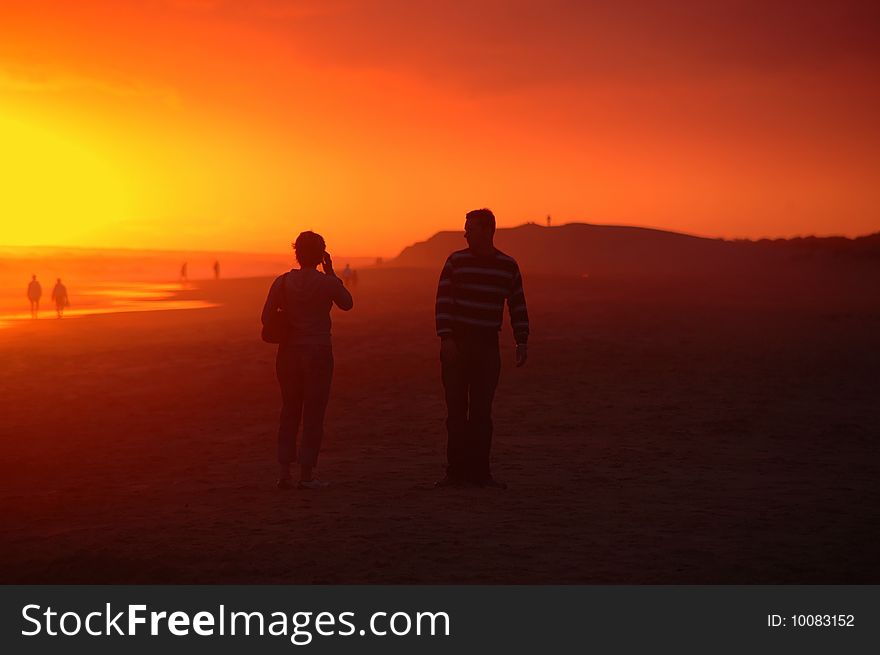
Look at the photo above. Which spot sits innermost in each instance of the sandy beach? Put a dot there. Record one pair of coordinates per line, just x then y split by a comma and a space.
662, 432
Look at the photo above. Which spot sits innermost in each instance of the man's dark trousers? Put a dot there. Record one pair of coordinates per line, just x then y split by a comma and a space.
469, 379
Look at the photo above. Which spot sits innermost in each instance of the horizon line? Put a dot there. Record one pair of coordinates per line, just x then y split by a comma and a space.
373, 256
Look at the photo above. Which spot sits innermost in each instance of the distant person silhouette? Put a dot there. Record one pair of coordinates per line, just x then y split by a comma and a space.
549, 220
346, 275
183, 275
59, 296
474, 284
304, 363
216, 269
34, 293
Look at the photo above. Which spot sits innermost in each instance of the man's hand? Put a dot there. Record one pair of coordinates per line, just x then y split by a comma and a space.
327, 264
521, 354
448, 349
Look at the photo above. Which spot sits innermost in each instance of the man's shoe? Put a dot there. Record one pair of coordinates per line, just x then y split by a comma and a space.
492, 483
314, 483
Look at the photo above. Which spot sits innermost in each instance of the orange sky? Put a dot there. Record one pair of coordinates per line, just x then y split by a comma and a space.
200, 124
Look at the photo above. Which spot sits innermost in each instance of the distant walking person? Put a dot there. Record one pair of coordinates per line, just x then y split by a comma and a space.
473, 286
34, 293
304, 363
59, 296
216, 269
346, 275
183, 276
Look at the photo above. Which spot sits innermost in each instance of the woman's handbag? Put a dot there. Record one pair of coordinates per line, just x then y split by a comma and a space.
276, 329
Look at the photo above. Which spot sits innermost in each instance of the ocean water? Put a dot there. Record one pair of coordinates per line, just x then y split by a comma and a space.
101, 281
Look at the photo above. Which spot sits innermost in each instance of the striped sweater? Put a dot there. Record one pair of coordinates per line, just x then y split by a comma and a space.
472, 291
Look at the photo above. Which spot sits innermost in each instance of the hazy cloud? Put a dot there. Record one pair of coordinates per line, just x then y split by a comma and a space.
509, 43
36, 82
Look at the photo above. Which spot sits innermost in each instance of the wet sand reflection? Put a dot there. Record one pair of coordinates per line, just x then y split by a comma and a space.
115, 298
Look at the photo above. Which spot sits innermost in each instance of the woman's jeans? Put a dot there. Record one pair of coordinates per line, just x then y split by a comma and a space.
304, 373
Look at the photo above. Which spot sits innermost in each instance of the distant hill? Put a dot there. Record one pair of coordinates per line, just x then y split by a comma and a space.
582, 248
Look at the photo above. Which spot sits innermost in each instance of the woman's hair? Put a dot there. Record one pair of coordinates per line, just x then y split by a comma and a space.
309, 248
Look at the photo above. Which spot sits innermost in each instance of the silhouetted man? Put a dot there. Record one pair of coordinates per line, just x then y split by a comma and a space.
59, 296
34, 292
183, 275
216, 269
473, 286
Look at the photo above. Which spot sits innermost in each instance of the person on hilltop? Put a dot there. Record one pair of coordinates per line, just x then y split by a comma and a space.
59, 297
304, 362
34, 293
474, 285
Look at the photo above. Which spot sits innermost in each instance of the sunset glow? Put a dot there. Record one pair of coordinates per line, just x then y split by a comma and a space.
56, 189
210, 124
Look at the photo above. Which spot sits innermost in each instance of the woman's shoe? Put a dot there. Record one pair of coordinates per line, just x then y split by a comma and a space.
313, 484
447, 481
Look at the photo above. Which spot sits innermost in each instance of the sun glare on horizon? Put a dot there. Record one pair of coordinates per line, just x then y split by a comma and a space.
56, 189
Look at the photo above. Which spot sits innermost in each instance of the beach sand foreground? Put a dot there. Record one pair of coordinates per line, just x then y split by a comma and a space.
660, 433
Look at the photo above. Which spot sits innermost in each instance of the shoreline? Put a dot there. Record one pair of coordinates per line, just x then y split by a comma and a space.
123, 297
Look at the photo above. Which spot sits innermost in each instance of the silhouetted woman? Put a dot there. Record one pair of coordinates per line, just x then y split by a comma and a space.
304, 363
